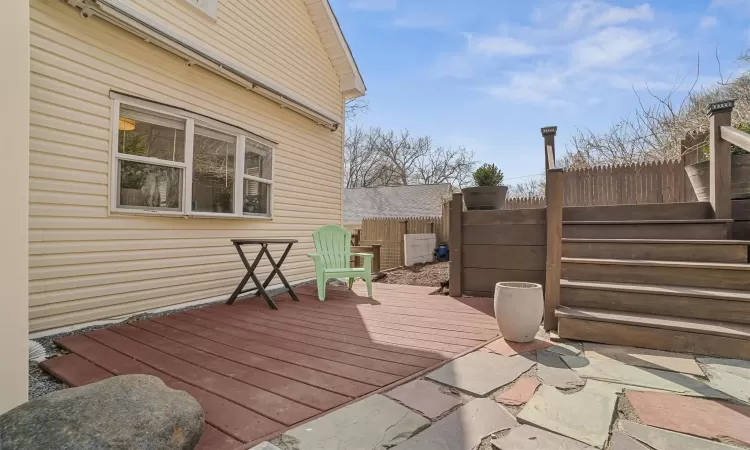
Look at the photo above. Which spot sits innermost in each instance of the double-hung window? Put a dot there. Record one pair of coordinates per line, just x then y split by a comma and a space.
174, 163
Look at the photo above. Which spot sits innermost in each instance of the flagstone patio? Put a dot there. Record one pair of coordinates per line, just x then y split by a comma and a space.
558, 395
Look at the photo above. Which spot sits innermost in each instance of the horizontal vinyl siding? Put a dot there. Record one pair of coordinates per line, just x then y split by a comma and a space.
276, 39
86, 264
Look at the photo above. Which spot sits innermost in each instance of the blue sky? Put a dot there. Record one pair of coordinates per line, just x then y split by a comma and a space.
488, 74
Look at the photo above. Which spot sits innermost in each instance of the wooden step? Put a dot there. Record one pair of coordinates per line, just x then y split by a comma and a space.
701, 337
675, 273
658, 249
653, 211
705, 229
679, 301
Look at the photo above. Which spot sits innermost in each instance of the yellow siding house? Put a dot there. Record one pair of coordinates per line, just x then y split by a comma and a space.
160, 129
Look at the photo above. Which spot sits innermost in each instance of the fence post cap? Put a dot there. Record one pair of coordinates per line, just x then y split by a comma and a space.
722, 106
549, 131
556, 169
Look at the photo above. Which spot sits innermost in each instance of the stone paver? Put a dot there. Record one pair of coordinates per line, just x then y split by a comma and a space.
520, 392
553, 371
618, 388
425, 397
730, 384
526, 437
621, 441
584, 416
480, 373
710, 419
617, 372
565, 347
376, 423
658, 439
506, 348
737, 367
731, 376
641, 357
265, 446
463, 428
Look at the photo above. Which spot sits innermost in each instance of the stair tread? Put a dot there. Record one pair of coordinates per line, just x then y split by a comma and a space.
660, 241
661, 289
643, 262
645, 222
699, 326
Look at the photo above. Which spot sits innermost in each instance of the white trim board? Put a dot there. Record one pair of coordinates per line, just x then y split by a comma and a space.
352, 84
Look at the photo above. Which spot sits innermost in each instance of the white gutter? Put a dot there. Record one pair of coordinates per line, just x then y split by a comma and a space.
152, 31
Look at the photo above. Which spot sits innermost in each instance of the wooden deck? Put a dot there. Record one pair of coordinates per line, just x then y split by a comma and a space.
257, 372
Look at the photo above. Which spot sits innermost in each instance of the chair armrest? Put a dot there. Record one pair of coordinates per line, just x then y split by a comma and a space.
364, 255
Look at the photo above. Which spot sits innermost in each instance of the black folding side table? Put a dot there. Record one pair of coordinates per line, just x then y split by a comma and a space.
264, 243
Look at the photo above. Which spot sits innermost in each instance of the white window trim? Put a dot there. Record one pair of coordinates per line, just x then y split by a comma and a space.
187, 166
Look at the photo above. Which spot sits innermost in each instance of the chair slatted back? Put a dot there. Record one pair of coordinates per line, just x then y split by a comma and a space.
334, 244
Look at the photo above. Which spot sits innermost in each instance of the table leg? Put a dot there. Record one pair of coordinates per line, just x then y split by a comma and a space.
261, 288
248, 275
274, 266
277, 270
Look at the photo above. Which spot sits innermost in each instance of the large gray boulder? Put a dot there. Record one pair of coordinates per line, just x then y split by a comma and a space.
134, 412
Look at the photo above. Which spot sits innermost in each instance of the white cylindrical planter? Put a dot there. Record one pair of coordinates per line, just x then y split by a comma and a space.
518, 309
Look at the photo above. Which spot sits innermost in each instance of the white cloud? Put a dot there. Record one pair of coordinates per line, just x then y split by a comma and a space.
541, 85
616, 45
596, 14
373, 5
567, 51
499, 45
707, 22
641, 82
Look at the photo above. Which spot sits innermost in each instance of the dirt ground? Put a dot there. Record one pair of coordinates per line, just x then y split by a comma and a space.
430, 274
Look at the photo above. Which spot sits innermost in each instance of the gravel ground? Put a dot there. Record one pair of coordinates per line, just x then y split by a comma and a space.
430, 274
40, 382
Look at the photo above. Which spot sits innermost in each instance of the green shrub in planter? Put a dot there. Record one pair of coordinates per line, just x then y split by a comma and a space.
488, 175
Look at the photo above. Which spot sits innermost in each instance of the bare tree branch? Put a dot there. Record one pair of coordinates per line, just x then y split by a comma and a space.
386, 158
354, 106
654, 132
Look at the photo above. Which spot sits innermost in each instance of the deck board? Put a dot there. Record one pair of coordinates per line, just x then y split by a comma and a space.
373, 371
232, 419
372, 339
312, 377
265, 403
257, 372
305, 394
402, 355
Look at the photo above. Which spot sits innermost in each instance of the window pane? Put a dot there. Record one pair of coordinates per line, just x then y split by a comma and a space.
147, 186
213, 171
256, 197
146, 133
257, 159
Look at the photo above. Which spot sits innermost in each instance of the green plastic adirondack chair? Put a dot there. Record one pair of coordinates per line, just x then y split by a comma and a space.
331, 257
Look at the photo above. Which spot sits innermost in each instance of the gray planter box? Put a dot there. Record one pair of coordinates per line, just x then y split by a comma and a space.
485, 197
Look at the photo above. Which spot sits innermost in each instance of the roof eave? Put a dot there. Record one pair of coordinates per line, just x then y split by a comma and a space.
350, 79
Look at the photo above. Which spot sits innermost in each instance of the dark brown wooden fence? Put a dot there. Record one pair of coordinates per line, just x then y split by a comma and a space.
499, 245
502, 246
